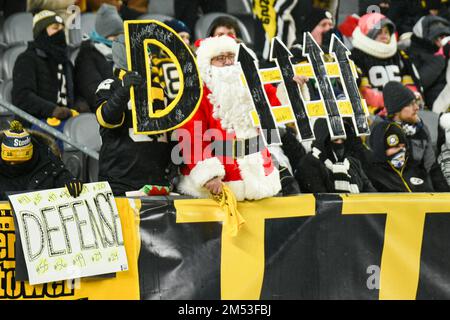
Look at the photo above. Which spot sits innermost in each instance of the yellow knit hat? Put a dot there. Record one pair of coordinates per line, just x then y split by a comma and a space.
16, 144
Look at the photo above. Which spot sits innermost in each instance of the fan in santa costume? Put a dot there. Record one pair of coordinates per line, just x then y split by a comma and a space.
220, 140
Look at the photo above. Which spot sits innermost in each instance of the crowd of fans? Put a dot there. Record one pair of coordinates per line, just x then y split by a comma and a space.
401, 52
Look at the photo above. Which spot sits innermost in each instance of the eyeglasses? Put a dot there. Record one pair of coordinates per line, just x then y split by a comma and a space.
223, 58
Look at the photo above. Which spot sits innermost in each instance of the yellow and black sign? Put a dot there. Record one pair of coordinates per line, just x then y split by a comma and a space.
87, 288
139, 35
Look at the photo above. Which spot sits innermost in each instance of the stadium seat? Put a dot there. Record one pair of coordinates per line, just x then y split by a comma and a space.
155, 16
204, 22
5, 90
165, 7
9, 59
87, 25
83, 129
18, 29
239, 7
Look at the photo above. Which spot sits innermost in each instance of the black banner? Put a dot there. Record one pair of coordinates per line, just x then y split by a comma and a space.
336, 252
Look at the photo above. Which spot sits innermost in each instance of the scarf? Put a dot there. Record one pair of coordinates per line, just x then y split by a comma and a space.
54, 46
444, 161
339, 171
372, 47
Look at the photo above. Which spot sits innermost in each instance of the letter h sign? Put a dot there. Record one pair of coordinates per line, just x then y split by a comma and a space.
299, 111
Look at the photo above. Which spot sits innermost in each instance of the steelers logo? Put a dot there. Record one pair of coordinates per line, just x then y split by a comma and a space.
59, 19
392, 140
329, 15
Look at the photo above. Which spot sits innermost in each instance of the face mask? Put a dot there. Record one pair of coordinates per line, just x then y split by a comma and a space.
398, 160
58, 39
339, 150
326, 40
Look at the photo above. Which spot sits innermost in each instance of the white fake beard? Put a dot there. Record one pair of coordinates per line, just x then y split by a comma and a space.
231, 100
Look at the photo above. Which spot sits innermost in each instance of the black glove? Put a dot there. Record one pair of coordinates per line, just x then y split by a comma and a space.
289, 186
74, 187
131, 78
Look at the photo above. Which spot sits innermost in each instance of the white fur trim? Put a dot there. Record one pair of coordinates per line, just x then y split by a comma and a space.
212, 47
372, 47
256, 184
202, 172
253, 186
444, 121
267, 186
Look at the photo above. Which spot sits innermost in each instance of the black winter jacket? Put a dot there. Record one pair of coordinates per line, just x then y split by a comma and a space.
431, 68
410, 178
127, 161
314, 177
43, 171
35, 83
91, 68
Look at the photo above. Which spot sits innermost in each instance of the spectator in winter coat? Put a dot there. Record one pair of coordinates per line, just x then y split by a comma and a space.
30, 161
127, 161
43, 82
425, 43
94, 61
329, 168
402, 108
392, 169
378, 60
249, 172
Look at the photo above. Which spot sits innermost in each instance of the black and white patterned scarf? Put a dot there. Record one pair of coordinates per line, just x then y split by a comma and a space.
341, 178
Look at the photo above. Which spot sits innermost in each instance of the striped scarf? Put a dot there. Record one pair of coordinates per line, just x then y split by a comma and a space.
444, 161
339, 170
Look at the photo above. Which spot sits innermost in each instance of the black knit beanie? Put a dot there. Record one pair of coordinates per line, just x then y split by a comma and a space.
396, 96
314, 17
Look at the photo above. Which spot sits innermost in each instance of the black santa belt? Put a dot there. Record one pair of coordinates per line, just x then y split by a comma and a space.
238, 148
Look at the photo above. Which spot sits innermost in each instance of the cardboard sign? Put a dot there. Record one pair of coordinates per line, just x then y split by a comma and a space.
139, 34
67, 238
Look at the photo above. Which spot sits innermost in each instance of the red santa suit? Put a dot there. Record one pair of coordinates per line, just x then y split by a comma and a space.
250, 175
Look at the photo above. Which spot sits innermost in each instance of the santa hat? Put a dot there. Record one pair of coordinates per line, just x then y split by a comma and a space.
213, 47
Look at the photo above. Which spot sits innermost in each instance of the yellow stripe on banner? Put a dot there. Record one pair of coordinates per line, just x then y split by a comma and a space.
243, 255
405, 217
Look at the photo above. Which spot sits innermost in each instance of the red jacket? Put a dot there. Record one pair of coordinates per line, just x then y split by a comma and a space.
250, 177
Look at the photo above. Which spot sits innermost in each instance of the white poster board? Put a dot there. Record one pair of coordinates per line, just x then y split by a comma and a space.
66, 238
